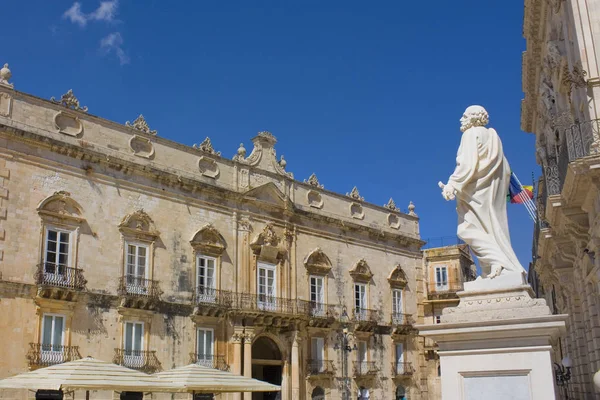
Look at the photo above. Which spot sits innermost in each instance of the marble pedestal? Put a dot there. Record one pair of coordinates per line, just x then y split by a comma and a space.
496, 344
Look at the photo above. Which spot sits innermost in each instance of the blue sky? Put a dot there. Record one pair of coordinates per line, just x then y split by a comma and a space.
365, 94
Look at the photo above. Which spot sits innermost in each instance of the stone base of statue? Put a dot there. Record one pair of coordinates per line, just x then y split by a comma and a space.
496, 344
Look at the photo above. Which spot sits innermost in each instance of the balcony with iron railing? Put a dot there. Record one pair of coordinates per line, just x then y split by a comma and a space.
263, 303
44, 355
59, 281
212, 302
364, 368
319, 367
401, 323
137, 292
402, 369
141, 360
209, 361
444, 290
315, 309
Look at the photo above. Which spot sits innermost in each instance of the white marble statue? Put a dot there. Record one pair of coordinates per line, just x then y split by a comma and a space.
480, 185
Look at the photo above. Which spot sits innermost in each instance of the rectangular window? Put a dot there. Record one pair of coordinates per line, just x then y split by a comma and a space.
133, 344
438, 319
317, 296
441, 278
266, 287
317, 350
361, 357
397, 310
205, 279
53, 327
360, 300
137, 268
56, 255
400, 358
205, 347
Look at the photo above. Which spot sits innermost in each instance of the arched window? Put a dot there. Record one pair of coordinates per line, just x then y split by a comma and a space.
401, 393
318, 393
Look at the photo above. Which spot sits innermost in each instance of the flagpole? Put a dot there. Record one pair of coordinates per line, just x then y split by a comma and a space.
527, 202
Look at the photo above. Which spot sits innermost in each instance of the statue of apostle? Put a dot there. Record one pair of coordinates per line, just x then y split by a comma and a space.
480, 185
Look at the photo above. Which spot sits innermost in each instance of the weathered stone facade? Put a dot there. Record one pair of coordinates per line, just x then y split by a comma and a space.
561, 81
122, 245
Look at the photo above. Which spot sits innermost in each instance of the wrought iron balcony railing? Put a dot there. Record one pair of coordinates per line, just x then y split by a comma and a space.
210, 296
401, 319
141, 360
265, 303
402, 369
44, 355
362, 368
130, 285
209, 361
314, 309
319, 367
59, 275
365, 315
445, 287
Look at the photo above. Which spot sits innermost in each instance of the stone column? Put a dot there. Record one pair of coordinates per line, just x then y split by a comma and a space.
296, 340
237, 358
248, 336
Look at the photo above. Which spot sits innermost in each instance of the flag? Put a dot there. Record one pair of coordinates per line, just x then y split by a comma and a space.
519, 194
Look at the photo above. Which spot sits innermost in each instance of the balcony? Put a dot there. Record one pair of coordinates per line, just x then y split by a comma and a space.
315, 368
402, 369
44, 355
209, 361
57, 281
136, 292
365, 368
145, 361
402, 323
212, 302
321, 315
262, 303
365, 319
444, 290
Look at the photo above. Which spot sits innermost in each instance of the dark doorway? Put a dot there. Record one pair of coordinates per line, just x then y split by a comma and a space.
267, 365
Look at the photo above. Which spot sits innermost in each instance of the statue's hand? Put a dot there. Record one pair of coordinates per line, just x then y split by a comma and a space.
448, 192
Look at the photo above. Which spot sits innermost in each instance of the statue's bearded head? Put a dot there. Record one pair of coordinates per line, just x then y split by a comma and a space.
474, 116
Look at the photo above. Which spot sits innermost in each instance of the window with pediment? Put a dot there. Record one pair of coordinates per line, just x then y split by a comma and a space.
208, 245
361, 272
317, 262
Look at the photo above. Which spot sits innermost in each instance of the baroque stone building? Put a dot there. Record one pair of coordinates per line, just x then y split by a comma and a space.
561, 81
122, 245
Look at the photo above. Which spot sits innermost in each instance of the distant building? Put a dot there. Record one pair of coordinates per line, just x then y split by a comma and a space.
561, 81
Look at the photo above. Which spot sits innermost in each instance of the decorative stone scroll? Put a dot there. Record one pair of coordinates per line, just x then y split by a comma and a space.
70, 101
397, 278
68, 123
313, 181
139, 224
208, 241
266, 245
60, 207
361, 271
141, 146
207, 147
317, 262
355, 195
208, 167
141, 125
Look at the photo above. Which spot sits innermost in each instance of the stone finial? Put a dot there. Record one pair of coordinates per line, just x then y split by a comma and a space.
267, 135
141, 125
355, 195
70, 101
411, 209
282, 162
206, 146
391, 205
241, 153
5, 75
313, 181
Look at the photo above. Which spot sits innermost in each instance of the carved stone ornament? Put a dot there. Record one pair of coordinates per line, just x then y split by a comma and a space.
139, 224
141, 147
317, 262
60, 207
208, 241
68, 123
393, 221
313, 181
207, 147
241, 153
141, 125
208, 167
355, 195
391, 205
357, 211
265, 245
264, 155
361, 271
5, 75
314, 199
70, 101
5, 104
411, 209
397, 277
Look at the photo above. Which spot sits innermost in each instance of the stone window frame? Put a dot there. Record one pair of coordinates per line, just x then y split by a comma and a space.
317, 264
135, 315
208, 242
213, 330
324, 277
137, 228
46, 306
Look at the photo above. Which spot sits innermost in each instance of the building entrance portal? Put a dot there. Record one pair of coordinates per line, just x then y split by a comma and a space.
267, 366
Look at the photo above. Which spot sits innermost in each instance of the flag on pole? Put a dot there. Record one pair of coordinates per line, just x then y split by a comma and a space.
519, 194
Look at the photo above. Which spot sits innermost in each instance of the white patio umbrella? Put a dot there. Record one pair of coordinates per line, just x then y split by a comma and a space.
85, 374
196, 378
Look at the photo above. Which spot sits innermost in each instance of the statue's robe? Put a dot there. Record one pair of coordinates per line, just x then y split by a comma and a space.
481, 180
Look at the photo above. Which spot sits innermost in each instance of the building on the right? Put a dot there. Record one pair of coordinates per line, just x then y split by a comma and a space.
561, 81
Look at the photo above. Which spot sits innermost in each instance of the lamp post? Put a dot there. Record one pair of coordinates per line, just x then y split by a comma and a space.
343, 344
562, 373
